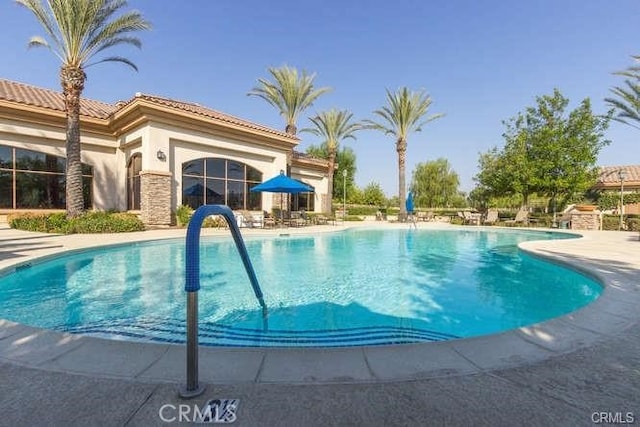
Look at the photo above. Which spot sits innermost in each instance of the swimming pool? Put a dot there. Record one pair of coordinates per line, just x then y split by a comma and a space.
360, 287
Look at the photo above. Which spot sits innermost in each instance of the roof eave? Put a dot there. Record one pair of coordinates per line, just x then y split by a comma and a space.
140, 110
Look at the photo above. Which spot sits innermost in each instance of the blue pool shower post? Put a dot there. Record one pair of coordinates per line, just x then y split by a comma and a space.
192, 285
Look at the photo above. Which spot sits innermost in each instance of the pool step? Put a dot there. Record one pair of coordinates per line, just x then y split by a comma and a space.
211, 334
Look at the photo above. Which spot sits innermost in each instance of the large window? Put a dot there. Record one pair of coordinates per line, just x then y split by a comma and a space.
34, 180
133, 182
220, 181
303, 201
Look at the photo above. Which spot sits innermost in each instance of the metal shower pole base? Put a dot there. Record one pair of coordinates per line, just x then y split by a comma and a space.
184, 393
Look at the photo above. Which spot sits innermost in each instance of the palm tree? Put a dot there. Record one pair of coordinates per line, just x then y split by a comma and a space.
291, 93
403, 114
333, 126
78, 30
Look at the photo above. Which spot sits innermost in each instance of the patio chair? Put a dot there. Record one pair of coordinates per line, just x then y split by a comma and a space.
296, 220
470, 218
321, 219
267, 220
425, 216
522, 217
253, 219
491, 218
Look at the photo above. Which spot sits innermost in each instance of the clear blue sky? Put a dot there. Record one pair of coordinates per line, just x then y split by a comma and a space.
481, 61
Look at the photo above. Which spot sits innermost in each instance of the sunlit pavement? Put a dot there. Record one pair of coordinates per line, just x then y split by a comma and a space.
581, 369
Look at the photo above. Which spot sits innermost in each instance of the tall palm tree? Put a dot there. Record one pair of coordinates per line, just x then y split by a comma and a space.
404, 114
290, 92
333, 126
76, 31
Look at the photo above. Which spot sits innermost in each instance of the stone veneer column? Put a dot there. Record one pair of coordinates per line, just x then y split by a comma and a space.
585, 220
155, 197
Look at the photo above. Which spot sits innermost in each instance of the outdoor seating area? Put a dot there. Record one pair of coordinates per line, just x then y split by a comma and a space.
283, 219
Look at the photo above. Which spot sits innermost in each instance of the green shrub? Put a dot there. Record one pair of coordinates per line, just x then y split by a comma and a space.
183, 215
456, 220
214, 221
610, 222
353, 218
362, 210
633, 224
43, 223
611, 199
90, 222
106, 222
543, 220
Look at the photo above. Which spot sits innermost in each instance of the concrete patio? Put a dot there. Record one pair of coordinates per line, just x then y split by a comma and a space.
575, 370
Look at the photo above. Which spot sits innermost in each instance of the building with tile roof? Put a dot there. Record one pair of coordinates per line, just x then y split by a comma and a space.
613, 177
149, 154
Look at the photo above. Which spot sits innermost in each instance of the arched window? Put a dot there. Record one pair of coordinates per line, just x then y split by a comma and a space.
33, 180
220, 181
133, 182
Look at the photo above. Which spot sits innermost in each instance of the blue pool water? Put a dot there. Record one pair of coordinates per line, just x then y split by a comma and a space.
360, 287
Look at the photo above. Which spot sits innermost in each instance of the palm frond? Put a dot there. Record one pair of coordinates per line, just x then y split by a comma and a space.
114, 59
35, 6
333, 126
404, 113
626, 103
79, 29
290, 92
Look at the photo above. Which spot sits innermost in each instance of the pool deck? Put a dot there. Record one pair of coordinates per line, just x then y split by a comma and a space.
572, 370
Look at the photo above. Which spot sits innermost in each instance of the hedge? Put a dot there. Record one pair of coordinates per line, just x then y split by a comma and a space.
90, 222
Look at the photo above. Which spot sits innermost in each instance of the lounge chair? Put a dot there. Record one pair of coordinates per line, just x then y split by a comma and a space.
470, 218
425, 216
320, 219
267, 220
522, 217
250, 219
491, 218
296, 220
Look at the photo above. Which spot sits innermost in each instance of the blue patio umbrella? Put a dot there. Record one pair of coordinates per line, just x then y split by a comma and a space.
283, 184
409, 203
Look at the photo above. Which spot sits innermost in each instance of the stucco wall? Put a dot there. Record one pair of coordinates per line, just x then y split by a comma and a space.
318, 180
183, 145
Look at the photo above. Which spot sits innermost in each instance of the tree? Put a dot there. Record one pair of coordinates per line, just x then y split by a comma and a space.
626, 100
372, 194
404, 113
546, 151
346, 160
567, 152
434, 184
333, 126
78, 30
290, 93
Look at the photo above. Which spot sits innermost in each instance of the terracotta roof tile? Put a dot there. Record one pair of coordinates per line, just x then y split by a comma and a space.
207, 112
609, 174
46, 98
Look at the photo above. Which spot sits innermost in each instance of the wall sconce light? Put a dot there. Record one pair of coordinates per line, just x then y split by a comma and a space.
161, 156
